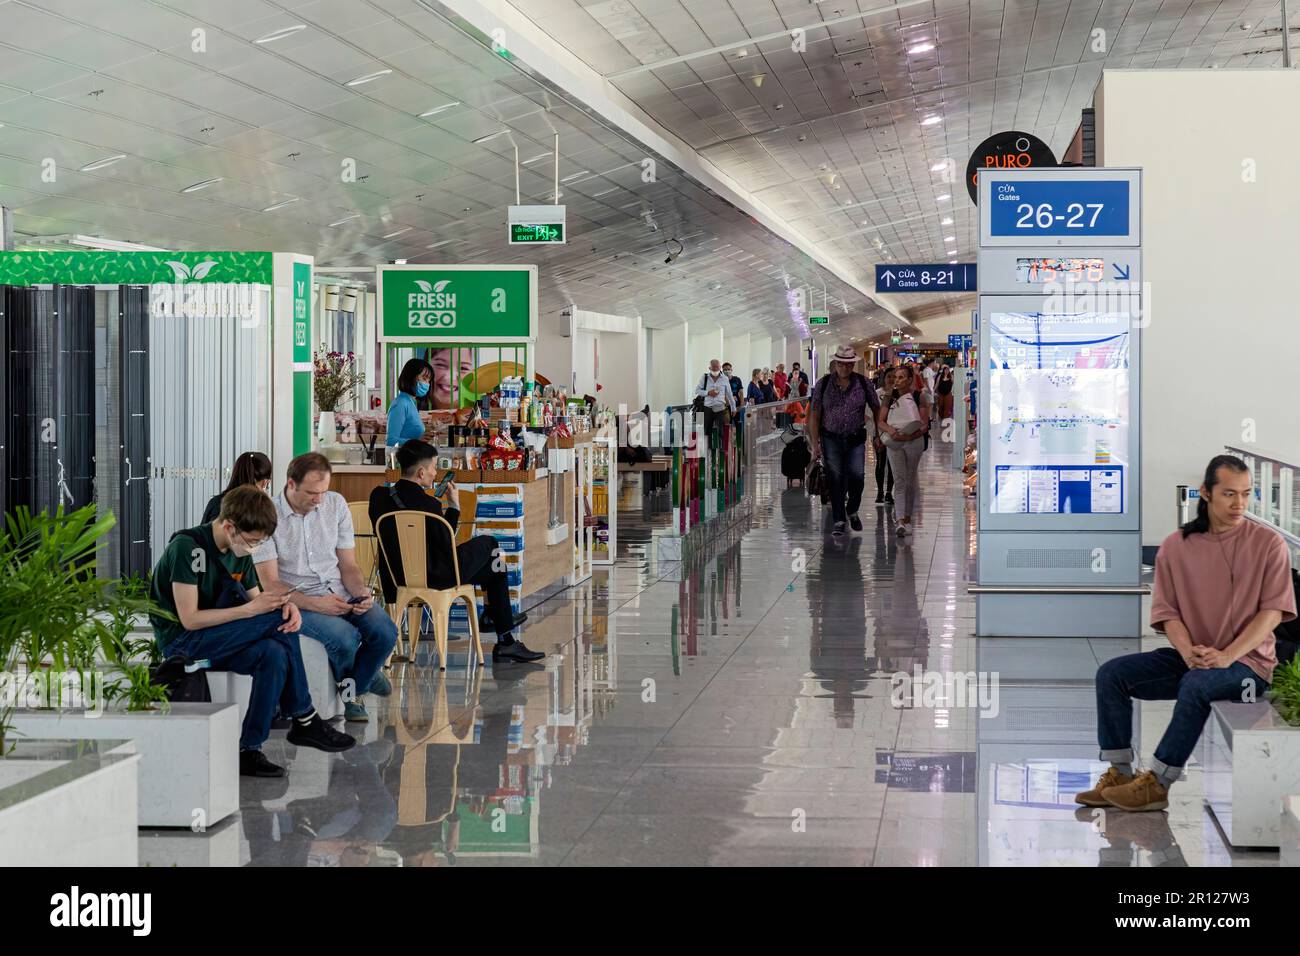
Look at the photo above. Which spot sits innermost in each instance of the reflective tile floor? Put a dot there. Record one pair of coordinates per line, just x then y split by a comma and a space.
739, 709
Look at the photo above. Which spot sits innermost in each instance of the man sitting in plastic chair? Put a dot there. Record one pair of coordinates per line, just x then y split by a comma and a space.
417, 461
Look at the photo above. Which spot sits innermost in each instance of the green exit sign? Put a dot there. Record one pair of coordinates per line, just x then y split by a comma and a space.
819, 320
552, 232
895, 338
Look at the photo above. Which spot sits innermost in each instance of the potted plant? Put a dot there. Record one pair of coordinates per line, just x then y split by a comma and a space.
54, 611
1285, 691
335, 378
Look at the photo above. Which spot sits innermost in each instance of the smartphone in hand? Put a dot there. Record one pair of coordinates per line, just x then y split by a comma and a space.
441, 487
358, 599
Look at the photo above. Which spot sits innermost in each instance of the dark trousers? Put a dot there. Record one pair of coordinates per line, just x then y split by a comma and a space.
844, 459
254, 646
713, 420
884, 473
476, 561
1162, 675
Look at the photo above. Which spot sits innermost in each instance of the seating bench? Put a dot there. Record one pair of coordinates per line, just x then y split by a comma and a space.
229, 687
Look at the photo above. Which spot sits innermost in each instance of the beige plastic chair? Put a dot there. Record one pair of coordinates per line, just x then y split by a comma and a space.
415, 595
366, 547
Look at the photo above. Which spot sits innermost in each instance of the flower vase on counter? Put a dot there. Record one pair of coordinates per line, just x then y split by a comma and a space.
326, 430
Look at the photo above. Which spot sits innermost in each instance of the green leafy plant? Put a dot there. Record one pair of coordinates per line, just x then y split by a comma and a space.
56, 615
1285, 691
133, 656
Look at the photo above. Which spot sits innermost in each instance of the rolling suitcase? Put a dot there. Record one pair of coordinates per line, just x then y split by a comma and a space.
794, 460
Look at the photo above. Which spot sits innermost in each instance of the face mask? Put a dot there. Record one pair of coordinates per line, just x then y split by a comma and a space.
421, 389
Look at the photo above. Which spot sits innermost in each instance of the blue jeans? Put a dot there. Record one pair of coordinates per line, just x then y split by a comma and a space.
254, 646
1162, 675
357, 644
845, 465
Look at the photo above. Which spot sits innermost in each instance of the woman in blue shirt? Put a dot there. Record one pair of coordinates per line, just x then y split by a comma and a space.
754, 394
404, 421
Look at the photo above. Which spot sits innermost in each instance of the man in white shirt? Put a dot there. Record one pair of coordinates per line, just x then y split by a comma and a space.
715, 389
314, 553
931, 375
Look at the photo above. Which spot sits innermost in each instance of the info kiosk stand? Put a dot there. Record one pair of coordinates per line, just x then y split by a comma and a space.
1060, 272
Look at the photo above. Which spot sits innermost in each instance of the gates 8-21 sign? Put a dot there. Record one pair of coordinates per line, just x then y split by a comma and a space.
468, 303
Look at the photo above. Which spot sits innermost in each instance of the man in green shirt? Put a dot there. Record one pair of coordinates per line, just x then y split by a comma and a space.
207, 581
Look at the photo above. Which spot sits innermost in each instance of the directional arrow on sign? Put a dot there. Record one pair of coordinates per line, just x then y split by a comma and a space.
1120, 273
888, 277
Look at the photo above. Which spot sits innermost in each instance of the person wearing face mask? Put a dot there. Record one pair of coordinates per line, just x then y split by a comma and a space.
417, 459
251, 468
207, 583
404, 422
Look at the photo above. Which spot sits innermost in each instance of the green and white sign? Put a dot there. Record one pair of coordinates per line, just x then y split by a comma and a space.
536, 225
134, 268
819, 320
461, 303
302, 362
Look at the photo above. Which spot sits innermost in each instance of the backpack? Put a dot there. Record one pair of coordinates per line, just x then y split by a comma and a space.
1287, 634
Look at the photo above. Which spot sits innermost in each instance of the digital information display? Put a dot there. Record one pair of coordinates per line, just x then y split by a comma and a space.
1058, 412
1068, 269
1044, 207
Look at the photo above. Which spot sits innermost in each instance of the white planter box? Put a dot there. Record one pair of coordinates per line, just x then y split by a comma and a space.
219, 846
189, 757
69, 803
1290, 843
1252, 762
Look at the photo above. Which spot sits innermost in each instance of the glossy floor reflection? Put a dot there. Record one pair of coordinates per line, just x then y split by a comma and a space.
741, 710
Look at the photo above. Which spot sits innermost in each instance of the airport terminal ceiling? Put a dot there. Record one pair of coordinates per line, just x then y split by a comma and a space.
246, 145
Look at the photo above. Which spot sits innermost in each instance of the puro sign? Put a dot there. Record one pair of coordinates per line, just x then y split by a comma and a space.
458, 303
1009, 150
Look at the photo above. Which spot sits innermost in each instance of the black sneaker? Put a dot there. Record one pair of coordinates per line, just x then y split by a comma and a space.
514, 651
855, 522
485, 621
880, 499
319, 735
889, 499
253, 763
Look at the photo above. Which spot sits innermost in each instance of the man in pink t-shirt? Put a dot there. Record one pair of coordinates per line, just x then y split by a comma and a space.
1223, 584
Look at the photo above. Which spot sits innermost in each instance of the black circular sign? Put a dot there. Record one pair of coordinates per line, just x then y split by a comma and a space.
1009, 150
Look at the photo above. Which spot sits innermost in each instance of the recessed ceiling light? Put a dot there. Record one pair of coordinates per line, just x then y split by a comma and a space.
944, 198
949, 238
440, 242
931, 120
203, 185
578, 175
281, 34
920, 48
368, 77
604, 192
947, 221
484, 139
952, 261
938, 167
345, 219
742, 52
438, 109
280, 205
101, 163
397, 233
536, 159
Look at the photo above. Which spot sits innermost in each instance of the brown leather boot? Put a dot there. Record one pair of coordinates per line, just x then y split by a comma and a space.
1093, 797
1142, 793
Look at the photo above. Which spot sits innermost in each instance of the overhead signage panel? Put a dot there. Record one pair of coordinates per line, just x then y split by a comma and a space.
536, 225
457, 303
948, 277
1040, 210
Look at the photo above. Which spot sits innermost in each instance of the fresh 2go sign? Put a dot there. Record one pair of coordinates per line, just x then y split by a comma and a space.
467, 304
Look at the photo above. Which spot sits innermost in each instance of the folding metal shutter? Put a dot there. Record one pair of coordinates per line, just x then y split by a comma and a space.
29, 423
132, 393
74, 390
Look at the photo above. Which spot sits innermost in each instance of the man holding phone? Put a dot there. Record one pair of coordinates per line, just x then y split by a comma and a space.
476, 557
313, 552
206, 581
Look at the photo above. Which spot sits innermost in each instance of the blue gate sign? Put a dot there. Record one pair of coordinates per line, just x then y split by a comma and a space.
959, 342
946, 277
1055, 207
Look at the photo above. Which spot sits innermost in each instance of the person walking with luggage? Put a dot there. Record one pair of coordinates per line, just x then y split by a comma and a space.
842, 402
713, 396
904, 419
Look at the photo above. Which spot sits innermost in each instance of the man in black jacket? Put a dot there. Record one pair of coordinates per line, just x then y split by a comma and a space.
476, 556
